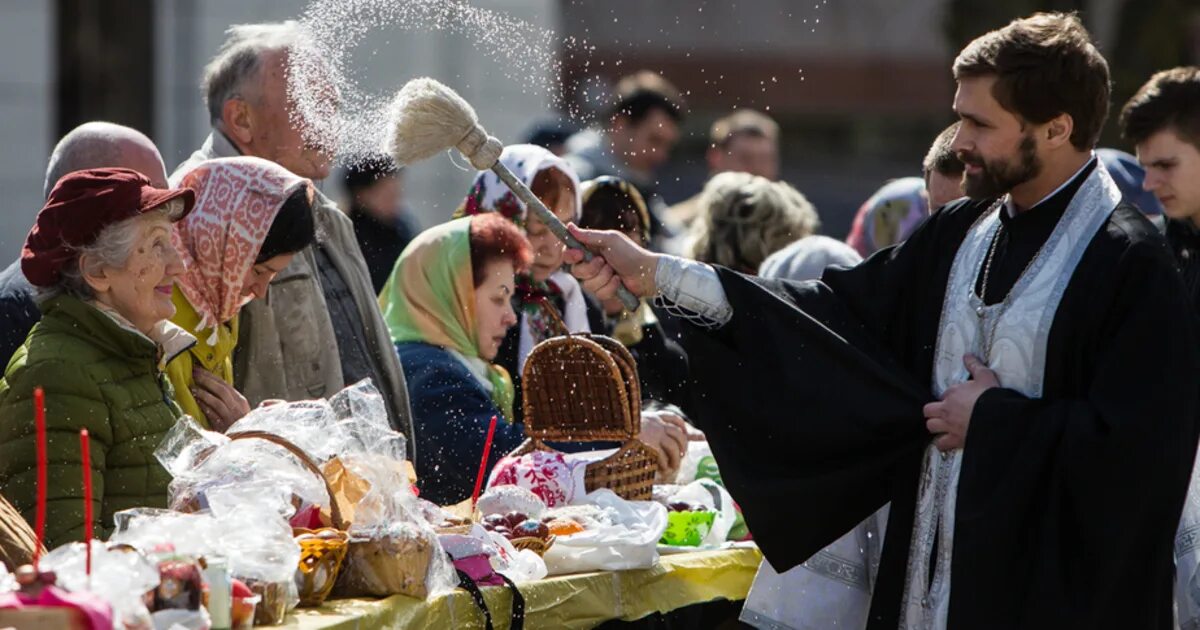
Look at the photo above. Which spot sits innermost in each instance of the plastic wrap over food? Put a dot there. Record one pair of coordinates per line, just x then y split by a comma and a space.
257, 539
186, 445
120, 576
246, 528
393, 547
352, 421
618, 535
148, 529
362, 416
244, 463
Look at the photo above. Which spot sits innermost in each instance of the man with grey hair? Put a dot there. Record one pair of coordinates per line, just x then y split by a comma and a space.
320, 328
90, 145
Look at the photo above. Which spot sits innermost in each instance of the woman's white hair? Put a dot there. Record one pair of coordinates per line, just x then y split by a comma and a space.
747, 218
112, 248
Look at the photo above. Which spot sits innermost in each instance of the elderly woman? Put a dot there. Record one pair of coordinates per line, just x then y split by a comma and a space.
251, 217
448, 307
747, 218
101, 257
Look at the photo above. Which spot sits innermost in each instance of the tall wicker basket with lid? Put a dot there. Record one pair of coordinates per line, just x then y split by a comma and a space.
584, 388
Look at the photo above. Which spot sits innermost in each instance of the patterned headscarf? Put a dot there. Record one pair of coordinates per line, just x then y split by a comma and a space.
889, 216
430, 298
489, 194
236, 202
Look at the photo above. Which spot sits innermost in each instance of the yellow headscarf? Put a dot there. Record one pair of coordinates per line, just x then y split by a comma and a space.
430, 298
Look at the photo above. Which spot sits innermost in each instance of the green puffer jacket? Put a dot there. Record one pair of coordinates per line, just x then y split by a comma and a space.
99, 375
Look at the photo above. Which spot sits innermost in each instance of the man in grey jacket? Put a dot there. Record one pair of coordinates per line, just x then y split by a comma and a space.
319, 329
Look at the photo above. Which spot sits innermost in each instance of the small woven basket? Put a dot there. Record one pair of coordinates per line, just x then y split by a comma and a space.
320, 558
320, 561
584, 388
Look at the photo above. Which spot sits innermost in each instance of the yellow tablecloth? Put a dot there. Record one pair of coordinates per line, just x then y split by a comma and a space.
571, 601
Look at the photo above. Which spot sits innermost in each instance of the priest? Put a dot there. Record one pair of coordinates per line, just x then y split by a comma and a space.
1018, 379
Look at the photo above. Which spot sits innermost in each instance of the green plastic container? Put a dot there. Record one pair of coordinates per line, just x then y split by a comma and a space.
687, 529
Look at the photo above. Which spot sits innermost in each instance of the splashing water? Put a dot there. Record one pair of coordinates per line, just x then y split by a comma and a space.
333, 109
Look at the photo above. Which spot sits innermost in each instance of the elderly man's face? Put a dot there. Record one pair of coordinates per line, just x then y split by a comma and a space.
277, 134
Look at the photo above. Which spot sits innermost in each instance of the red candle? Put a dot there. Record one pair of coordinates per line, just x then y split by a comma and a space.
86, 450
39, 416
487, 448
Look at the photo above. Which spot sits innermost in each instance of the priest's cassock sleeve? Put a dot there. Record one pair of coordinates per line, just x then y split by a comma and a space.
1076, 499
806, 406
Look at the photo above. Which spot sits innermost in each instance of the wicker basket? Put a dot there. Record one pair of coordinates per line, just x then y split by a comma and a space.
320, 561
584, 388
320, 558
17, 540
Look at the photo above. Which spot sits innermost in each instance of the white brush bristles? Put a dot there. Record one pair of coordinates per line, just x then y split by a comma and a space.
428, 118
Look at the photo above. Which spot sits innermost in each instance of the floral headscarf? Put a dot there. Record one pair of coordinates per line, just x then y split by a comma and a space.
489, 194
889, 216
430, 298
236, 202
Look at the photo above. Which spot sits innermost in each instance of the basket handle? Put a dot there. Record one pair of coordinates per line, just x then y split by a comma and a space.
550, 310
335, 513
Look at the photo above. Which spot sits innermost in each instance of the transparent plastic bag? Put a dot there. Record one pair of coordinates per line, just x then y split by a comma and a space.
148, 529
120, 576
620, 535
352, 421
244, 463
362, 415
246, 526
186, 445
393, 548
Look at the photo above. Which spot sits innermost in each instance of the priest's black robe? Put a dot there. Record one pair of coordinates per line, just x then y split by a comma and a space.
812, 398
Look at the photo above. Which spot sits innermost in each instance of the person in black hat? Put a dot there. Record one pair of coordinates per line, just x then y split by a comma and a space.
382, 224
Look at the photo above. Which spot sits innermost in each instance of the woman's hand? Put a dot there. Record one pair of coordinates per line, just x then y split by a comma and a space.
666, 433
221, 403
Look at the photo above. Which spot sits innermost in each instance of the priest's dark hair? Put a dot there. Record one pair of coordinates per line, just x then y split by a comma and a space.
1169, 100
293, 228
1045, 65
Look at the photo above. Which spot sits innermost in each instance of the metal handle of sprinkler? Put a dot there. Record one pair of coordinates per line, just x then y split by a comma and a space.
628, 300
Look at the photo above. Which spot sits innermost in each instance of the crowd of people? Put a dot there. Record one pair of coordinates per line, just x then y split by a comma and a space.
238, 280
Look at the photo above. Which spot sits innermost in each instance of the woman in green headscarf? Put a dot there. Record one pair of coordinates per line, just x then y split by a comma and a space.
448, 306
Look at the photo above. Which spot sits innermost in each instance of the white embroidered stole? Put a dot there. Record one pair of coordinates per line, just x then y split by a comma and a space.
1019, 333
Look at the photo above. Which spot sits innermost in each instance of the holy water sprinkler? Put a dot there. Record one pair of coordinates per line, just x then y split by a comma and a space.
428, 118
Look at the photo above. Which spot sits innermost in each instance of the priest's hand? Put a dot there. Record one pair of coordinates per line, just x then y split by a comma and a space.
618, 260
949, 418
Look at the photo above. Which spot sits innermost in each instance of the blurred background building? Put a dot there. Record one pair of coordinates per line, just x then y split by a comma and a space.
860, 87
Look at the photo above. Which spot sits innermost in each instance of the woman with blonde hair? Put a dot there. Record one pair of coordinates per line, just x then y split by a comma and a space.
747, 218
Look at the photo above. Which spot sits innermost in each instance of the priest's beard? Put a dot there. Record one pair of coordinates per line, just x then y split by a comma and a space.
1000, 176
